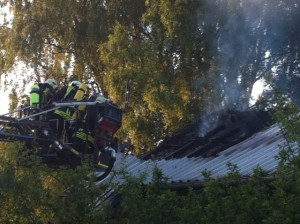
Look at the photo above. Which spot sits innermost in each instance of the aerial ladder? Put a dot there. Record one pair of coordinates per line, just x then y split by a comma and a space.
40, 133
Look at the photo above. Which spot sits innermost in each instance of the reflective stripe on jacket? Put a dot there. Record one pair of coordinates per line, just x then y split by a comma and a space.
64, 114
81, 134
101, 163
70, 93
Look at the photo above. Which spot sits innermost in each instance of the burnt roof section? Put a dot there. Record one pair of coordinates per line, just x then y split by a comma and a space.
211, 134
259, 150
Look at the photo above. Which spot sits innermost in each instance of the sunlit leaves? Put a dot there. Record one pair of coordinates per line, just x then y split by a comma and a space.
57, 38
157, 64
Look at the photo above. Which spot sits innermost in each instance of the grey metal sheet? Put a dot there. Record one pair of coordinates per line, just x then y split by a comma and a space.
188, 166
185, 166
194, 168
258, 150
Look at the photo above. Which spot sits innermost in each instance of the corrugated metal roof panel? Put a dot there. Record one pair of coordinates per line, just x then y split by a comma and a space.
258, 150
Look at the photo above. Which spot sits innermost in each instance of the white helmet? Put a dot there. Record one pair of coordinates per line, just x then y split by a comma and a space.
101, 99
52, 83
75, 83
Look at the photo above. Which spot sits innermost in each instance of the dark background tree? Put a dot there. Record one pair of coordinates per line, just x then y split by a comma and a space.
33, 193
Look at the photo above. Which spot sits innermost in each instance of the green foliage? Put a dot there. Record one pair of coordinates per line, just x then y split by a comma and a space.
33, 193
149, 54
153, 203
55, 38
232, 199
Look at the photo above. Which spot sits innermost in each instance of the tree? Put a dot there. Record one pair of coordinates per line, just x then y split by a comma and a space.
161, 54
56, 38
30, 192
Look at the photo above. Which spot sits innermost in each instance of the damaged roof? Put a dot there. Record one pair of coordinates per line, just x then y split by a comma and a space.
210, 134
260, 150
238, 138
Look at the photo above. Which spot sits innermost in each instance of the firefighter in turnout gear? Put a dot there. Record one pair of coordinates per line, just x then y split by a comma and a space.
102, 156
79, 133
42, 95
84, 136
49, 88
81, 94
66, 93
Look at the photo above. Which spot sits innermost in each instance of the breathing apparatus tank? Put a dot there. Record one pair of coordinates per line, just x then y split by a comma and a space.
35, 96
80, 95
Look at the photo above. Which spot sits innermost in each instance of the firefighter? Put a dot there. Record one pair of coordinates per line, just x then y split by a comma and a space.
42, 95
96, 118
84, 136
81, 95
91, 114
67, 92
49, 87
59, 116
82, 140
80, 135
